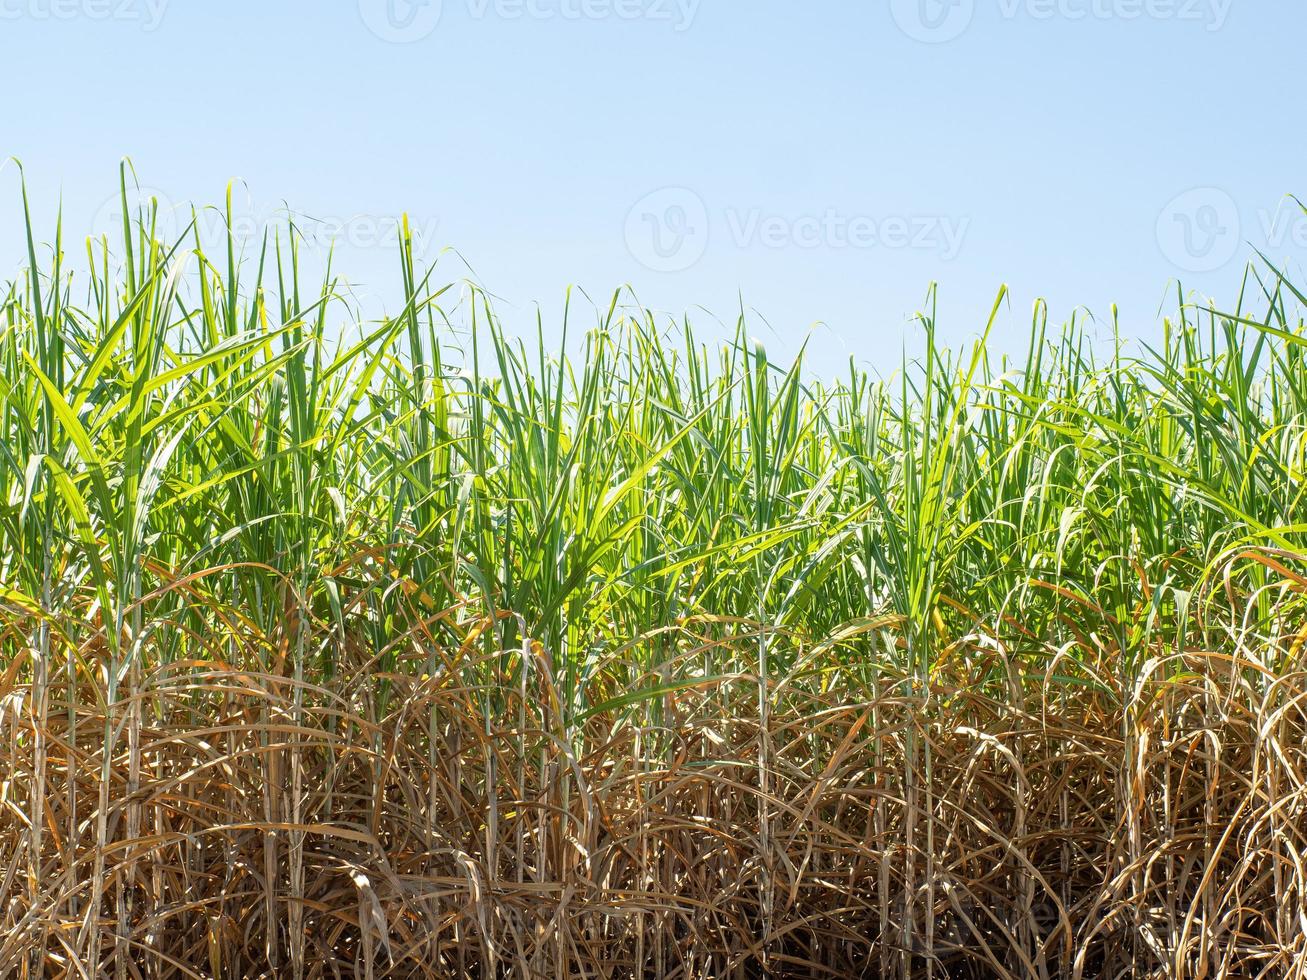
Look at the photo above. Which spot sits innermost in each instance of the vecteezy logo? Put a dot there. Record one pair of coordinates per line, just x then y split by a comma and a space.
165, 222
1199, 230
400, 21
933, 21
667, 231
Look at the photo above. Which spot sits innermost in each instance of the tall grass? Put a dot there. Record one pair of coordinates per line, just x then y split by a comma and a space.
407, 648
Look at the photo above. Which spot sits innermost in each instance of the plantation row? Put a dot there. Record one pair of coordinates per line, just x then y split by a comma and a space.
411, 649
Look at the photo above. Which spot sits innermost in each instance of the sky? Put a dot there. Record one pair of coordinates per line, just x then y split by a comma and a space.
818, 164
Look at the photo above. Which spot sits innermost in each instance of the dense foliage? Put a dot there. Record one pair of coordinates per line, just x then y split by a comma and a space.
409, 647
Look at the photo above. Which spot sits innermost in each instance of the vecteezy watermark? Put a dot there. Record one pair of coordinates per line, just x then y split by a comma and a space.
836, 230
937, 21
1199, 230
933, 21
669, 230
679, 14
1286, 227
148, 14
1202, 230
249, 224
407, 21
401, 21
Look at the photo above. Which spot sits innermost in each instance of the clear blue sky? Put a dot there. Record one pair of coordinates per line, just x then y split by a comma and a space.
825, 160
